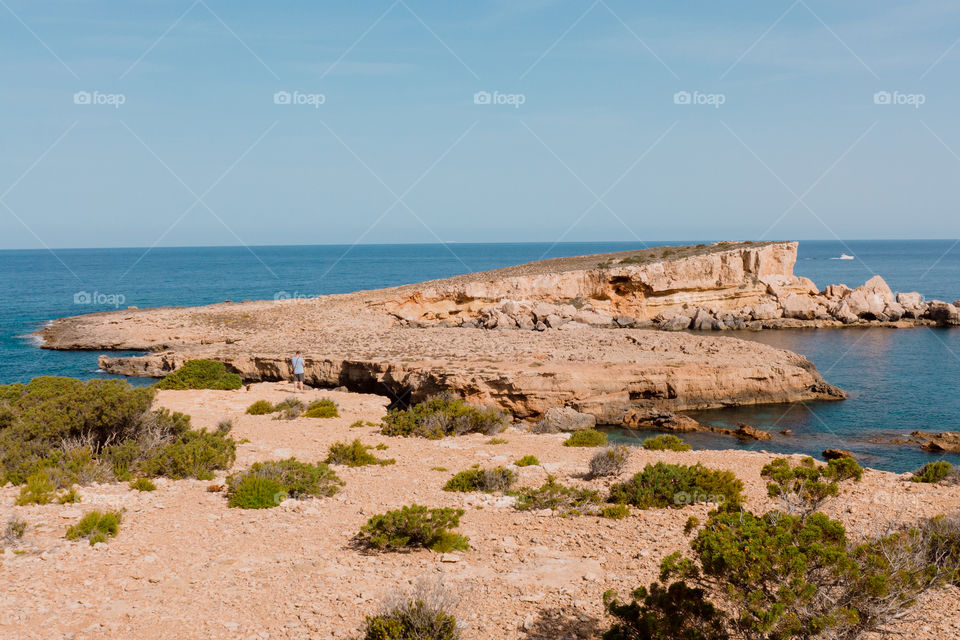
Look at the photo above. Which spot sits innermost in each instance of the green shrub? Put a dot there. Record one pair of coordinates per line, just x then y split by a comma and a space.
675, 612
486, 480
289, 409
97, 431
69, 497
806, 485
932, 472
39, 489
586, 438
420, 615
355, 454
322, 409
665, 442
412, 527
143, 484
260, 408
497, 441
527, 461
566, 501
96, 527
673, 485
609, 462
267, 484
201, 374
195, 454
16, 528
615, 511
443, 415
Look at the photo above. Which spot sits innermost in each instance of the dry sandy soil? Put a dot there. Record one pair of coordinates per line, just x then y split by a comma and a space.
184, 565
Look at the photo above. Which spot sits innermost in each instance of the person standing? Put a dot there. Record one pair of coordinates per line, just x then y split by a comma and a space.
297, 363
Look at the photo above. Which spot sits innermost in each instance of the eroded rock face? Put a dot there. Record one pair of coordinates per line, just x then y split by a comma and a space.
356, 341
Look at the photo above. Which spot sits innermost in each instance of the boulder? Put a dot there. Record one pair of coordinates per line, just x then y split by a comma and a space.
702, 320
751, 433
947, 441
510, 307
800, 307
911, 300
836, 454
592, 317
878, 286
565, 419
894, 311
541, 310
553, 320
678, 322
625, 321
766, 311
943, 314
836, 291
843, 313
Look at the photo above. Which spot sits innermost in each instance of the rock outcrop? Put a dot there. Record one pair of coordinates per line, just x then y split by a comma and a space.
358, 341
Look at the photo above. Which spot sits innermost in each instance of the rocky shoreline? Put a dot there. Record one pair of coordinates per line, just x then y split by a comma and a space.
401, 342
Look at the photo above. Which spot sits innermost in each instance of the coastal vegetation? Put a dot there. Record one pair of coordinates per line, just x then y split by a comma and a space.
324, 408
665, 442
586, 438
354, 454
422, 614
788, 575
485, 480
527, 461
564, 500
804, 487
57, 432
443, 415
260, 408
414, 526
609, 462
201, 374
143, 484
933, 472
267, 484
96, 526
674, 486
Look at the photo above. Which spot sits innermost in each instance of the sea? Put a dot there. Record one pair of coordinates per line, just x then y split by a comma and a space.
897, 380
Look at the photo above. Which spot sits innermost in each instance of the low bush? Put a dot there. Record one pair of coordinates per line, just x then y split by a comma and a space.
615, 511
78, 432
497, 441
39, 489
804, 487
443, 415
15, 529
665, 613
609, 462
289, 409
413, 526
420, 615
673, 485
267, 484
143, 484
932, 472
96, 527
322, 409
69, 497
260, 408
586, 438
665, 442
355, 454
486, 480
195, 454
566, 501
201, 374
527, 461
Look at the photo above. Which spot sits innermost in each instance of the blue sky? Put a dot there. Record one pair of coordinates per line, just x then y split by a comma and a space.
601, 148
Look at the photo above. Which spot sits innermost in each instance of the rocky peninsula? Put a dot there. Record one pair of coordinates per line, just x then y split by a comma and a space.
595, 350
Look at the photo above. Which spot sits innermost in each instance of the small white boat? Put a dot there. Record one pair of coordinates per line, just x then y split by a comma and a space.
843, 256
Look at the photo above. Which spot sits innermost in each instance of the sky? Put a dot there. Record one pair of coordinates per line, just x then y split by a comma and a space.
139, 123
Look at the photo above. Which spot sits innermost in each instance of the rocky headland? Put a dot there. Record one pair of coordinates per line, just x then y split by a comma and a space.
596, 351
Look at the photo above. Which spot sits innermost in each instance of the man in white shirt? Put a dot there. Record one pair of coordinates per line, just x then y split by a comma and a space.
297, 363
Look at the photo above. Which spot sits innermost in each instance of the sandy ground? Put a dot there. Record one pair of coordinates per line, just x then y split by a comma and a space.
184, 565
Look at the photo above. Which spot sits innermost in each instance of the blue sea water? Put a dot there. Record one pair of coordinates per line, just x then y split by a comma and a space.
897, 380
